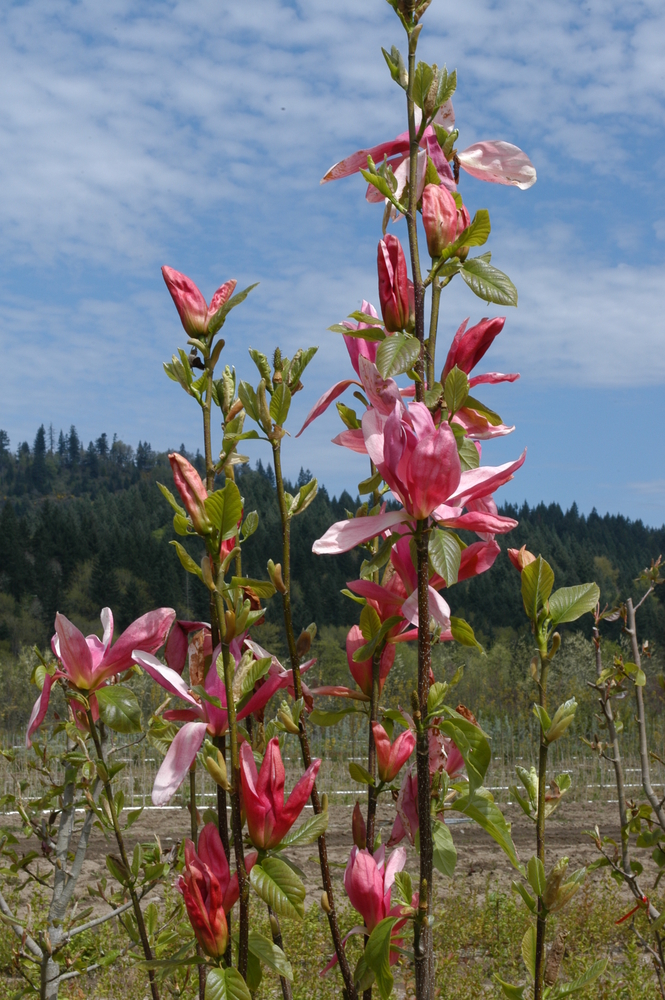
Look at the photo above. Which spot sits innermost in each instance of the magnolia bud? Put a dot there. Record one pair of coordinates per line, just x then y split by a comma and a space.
275, 574
206, 572
275, 929
358, 828
304, 644
394, 296
556, 642
521, 557
324, 802
439, 218
554, 880
285, 717
325, 904
234, 410
264, 409
229, 626
562, 719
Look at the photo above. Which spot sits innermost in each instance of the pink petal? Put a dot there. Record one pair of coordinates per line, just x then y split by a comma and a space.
492, 378
148, 633
40, 708
336, 691
357, 161
296, 801
167, 678
486, 479
222, 295
477, 559
395, 864
499, 162
326, 399
180, 757
353, 439
438, 608
345, 535
477, 521
74, 652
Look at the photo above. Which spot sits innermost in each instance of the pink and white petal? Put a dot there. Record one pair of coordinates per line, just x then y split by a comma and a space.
147, 633
493, 378
180, 757
40, 708
345, 535
438, 608
486, 479
498, 162
167, 678
74, 652
106, 617
478, 521
395, 864
337, 691
353, 439
326, 399
356, 161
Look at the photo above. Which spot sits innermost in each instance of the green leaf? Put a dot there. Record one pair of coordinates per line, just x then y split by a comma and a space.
433, 395
254, 973
537, 583
257, 670
270, 954
370, 484
365, 652
319, 717
360, 774
463, 633
485, 812
472, 743
396, 66
436, 694
261, 362
447, 86
299, 362
224, 508
478, 232
512, 992
226, 984
468, 454
444, 856
377, 955
422, 82
490, 416
535, 872
456, 389
488, 283
528, 899
218, 319
262, 588
592, 973
370, 623
444, 555
397, 354
374, 333
186, 560
172, 500
542, 716
119, 708
306, 494
247, 397
250, 524
569, 603
381, 184
404, 886
307, 832
280, 403
279, 887
529, 950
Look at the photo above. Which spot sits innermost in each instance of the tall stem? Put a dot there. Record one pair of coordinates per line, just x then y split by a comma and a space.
371, 751
541, 918
223, 827
108, 791
433, 327
422, 939
276, 931
347, 976
411, 218
606, 706
236, 818
194, 831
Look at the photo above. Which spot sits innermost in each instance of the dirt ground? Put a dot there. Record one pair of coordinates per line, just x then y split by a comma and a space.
479, 858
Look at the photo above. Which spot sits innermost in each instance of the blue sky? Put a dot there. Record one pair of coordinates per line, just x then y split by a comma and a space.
195, 133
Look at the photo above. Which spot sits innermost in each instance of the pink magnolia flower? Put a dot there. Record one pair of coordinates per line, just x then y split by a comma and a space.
192, 492
469, 346
368, 881
443, 756
391, 757
211, 853
440, 218
269, 818
496, 161
395, 288
87, 662
195, 314
204, 899
203, 716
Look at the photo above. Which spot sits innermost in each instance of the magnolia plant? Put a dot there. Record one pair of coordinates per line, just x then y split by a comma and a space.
428, 521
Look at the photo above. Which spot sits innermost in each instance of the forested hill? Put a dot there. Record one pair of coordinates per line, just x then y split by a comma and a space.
85, 527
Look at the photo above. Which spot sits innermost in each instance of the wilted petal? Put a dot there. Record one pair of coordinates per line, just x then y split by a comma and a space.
499, 162
180, 757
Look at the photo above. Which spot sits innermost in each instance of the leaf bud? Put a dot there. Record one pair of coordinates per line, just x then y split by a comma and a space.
325, 904
562, 719
554, 880
264, 409
217, 771
206, 572
275, 574
556, 642
235, 409
555, 957
275, 929
358, 828
324, 802
304, 644
285, 717
229, 626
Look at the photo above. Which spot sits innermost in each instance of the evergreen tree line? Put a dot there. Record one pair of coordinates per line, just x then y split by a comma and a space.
81, 528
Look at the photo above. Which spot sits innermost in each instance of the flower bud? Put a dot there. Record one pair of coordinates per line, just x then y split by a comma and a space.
521, 557
304, 643
554, 880
206, 571
394, 284
264, 409
358, 828
229, 626
556, 642
562, 719
192, 492
285, 717
235, 409
275, 929
325, 904
439, 218
324, 802
275, 574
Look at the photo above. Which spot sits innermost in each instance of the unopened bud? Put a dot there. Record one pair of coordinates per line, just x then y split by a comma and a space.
217, 771
554, 880
275, 929
285, 717
325, 903
206, 572
324, 802
358, 828
275, 574
521, 557
234, 410
555, 957
556, 642
304, 644
563, 717
264, 409
229, 626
